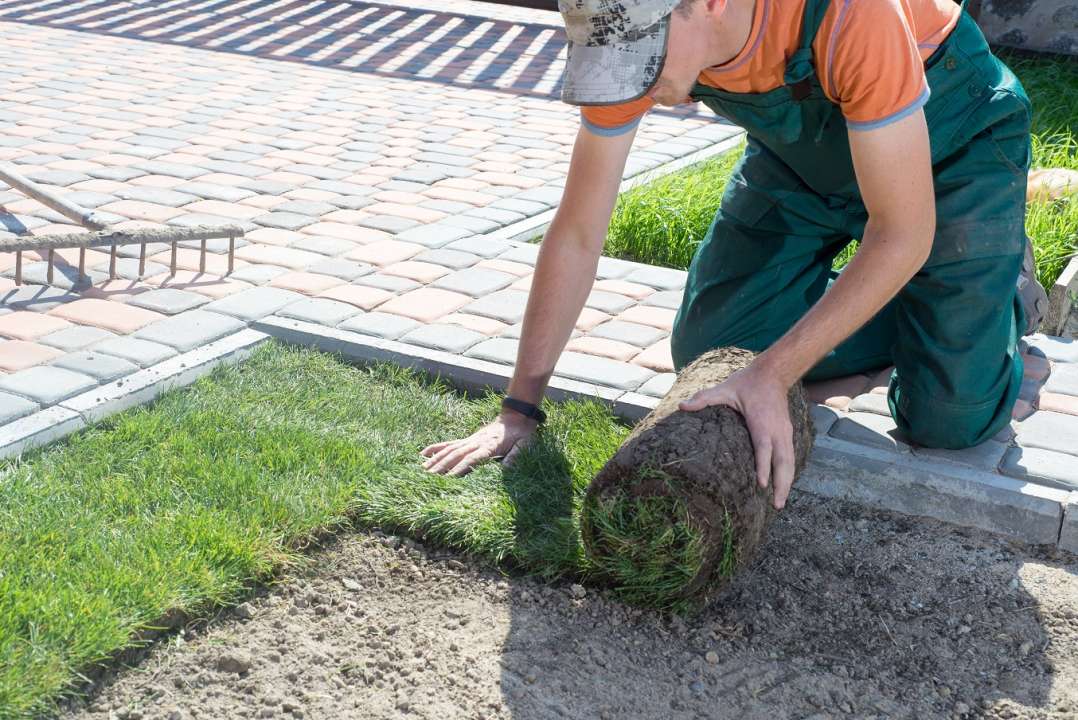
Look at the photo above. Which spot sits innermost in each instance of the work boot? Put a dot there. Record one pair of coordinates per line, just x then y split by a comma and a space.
1034, 298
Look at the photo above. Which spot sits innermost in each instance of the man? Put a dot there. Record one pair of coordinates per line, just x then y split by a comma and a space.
884, 120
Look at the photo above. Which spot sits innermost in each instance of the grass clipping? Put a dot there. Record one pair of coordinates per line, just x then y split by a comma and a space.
677, 510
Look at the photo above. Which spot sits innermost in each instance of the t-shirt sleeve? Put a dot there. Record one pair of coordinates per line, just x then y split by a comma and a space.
874, 69
611, 120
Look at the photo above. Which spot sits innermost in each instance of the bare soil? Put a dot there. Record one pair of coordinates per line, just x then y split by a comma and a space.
845, 613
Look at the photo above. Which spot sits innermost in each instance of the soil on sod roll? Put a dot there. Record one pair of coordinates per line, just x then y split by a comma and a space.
677, 510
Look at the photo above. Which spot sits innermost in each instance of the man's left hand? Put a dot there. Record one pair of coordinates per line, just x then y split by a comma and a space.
761, 398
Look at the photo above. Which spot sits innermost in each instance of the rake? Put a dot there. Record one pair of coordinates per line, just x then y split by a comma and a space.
102, 235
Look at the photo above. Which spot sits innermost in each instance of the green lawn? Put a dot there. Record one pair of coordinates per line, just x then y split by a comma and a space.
187, 502
662, 222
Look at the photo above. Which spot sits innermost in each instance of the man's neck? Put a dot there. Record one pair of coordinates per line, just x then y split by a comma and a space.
734, 31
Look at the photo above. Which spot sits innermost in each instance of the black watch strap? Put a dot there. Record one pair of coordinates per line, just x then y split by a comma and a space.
524, 408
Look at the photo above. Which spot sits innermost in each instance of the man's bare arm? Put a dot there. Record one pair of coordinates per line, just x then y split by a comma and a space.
564, 275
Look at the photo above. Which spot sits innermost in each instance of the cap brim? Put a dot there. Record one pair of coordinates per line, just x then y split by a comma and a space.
617, 72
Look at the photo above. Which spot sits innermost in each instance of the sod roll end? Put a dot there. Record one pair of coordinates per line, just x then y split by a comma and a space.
677, 510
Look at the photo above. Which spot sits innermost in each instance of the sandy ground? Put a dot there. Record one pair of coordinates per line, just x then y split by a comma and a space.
846, 613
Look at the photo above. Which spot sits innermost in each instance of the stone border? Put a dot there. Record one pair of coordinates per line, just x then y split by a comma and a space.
1060, 304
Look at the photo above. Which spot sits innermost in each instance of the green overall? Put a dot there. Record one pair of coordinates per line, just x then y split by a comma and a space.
793, 204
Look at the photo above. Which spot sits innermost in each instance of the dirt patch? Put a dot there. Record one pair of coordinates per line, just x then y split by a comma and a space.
844, 613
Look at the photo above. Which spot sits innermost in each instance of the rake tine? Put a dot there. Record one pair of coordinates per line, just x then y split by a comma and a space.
172, 263
18, 267
231, 251
82, 263
112, 264
142, 261
48, 276
202, 258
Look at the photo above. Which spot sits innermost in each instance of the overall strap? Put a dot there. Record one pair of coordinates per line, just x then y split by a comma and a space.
799, 66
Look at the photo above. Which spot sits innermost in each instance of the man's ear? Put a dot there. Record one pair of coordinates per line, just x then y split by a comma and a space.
717, 7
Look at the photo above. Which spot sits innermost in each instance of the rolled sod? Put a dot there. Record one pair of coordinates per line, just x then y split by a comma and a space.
677, 510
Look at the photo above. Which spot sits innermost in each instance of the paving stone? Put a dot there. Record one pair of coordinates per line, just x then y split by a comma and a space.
608, 302
475, 281
601, 371
13, 407
392, 283
434, 235
499, 350
1063, 379
158, 167
632, 333
451, 338
128, 268
1049, 431
342, 188
88, 199
316, 171
659, 385
614, 268
870, 429
502, 217
305, 207
478, 245
168, 301
211, 191
1040, 466
1053, 348
75, 337
379, 324
341, 268
656, 277
471, 224
193, 219
823, 418
985, 456
98, 365
1068, 533
524, 207
46, 385
258, 274
64, 277
526, 254
837, 392
387, 223
505, 305
284, 220
156, 196
266, 187
428, 175
454, 259
195, 328
322, 311
670, 299
59, 178
143, 353
870, 402
116, 173
254, 304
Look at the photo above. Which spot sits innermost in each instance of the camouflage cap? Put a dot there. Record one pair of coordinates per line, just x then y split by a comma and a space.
616, 48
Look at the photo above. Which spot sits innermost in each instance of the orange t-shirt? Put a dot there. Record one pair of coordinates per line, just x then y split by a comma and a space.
869, 57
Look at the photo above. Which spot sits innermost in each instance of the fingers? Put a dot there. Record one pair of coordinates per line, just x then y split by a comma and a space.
702, 399
449, 457
762, 449
783, 469
431, 449
515, 451
467, 462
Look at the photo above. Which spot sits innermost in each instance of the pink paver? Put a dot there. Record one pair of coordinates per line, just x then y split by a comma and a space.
513, 268
27, 325
234, 211
191, 259
305, 282
361, 296
1056, 402
342, 231
106, 314
423, 272
656, 357
137, 210
881, 381
426, 304
19, 354
487, 326
524, 283
603, 348
119, 290
661, 318
837, 392
590, 318
411, 212
385, 252
623, 287
272, 255
207, 284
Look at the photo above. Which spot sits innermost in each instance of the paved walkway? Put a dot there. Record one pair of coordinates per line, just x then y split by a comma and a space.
381, 158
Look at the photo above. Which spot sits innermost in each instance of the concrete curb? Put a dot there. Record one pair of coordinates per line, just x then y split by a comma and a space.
903, 483
80, 411
1060, 305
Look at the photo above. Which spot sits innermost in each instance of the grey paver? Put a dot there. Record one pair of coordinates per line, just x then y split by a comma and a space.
451, 338
35, 274
870, 429
316, 171
168, 301
670, 299
475, 281
392, 283
117, 173
158, 167
659, 385
143, 353
101, 366
434, 235
1043, 466
254, 303
88, 199
471, 224
59, 178
379, 324
13, 407
524, 207
526, 254
284, 220
320, 310
75, 337
823, 418
218, 245
232, 168
427, 174
339, 268
478, 245
1063, 379
305, 207
627, 332
193, 328
387, 223
505, 305
128, 268
258, 274
342, 188
46, 384
210, 191
656, 277
38, 429
1049, 431
601, 371
608, 302
870, 402
1068, 534
1053, 348
502, 217
985, 456
614, 268
351, 202
499, 350
192, 219
157, 196
455, 259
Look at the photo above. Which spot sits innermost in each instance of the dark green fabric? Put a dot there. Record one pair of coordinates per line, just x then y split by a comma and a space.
793, 204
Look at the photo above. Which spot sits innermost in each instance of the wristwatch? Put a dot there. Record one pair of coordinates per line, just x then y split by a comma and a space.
524, 408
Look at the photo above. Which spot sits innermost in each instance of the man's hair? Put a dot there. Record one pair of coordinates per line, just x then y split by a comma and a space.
685, 7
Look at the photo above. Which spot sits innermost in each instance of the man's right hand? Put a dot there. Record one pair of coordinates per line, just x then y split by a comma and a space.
504, 437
